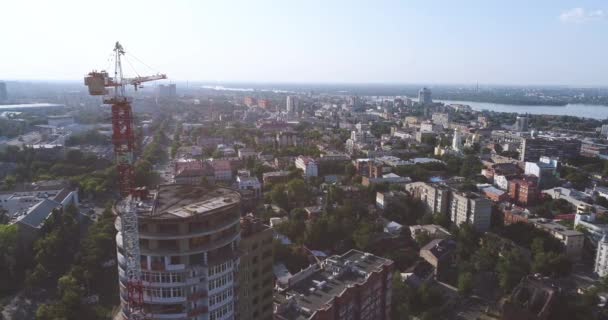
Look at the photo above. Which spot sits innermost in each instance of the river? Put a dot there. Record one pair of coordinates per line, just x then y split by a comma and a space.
577, 110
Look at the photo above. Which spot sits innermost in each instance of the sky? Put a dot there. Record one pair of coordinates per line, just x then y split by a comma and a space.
540, 42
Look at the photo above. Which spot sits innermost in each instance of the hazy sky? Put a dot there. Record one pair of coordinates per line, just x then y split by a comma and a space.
426, 41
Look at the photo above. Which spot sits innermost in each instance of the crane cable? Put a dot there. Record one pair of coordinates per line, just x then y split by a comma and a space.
155, 70
131, 65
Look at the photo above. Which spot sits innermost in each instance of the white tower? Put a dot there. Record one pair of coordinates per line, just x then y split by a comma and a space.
457, 141
601, 258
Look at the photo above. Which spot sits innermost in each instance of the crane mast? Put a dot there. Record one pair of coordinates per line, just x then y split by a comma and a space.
123, 139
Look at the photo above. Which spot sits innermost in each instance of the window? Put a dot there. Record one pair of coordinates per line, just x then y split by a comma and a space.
220, 282
220, 297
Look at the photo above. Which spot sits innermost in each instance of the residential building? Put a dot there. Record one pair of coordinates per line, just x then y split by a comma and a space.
250, 183
383, 199
292, 105
247, 153
355, 285
493, 193
533, 148
222, 170
521, 124
469, 207
275, 177
256, 279
523, 191
435, 197
3, 92
60, 121
424, 96
572, 240
168, 91
189, 241
594, 148
594, 229
20, 203
432, 230
442, 119
389, 178
308, 166
250, 101
544, 169
601, 258
439, 253
191, 171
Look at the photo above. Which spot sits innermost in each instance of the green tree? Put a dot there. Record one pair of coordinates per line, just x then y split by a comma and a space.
511, 268
363, 236
465, 283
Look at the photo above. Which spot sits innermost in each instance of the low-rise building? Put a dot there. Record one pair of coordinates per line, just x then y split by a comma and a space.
275, 177
572, 239
389, 178
439, 253
222, 170
432, 230
250, 183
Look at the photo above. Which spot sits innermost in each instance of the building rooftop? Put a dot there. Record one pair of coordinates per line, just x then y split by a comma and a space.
440, 248
173, 201
37, 215
316, 286
555, 227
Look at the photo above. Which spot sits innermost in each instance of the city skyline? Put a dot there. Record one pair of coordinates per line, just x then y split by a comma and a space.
550, 43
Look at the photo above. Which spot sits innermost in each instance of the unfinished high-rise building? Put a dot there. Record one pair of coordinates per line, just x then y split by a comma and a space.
189, 248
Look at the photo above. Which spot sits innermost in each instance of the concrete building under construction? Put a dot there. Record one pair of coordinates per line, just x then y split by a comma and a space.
189, 248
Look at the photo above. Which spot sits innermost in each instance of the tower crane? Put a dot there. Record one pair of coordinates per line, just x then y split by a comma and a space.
123, 138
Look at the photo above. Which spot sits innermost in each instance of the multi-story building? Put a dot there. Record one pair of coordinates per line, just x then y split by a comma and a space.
250, 101
292, 105
544, 169
521, 124
593, 148
435, 197
571, 239
3, 92
424, 96
523, 191
469, 207
189, 240
250, 183
308, 166
601, 258
603, 129
275, 177
439, 253
256, 279
222, 170
441, 119
355, 285
166, 91
533, 148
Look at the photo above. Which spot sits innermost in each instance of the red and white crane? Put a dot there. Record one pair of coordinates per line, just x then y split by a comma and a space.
123, 138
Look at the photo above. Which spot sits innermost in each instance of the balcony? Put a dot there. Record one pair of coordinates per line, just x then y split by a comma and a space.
214, 244
173, 316
216, 227
160, 300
